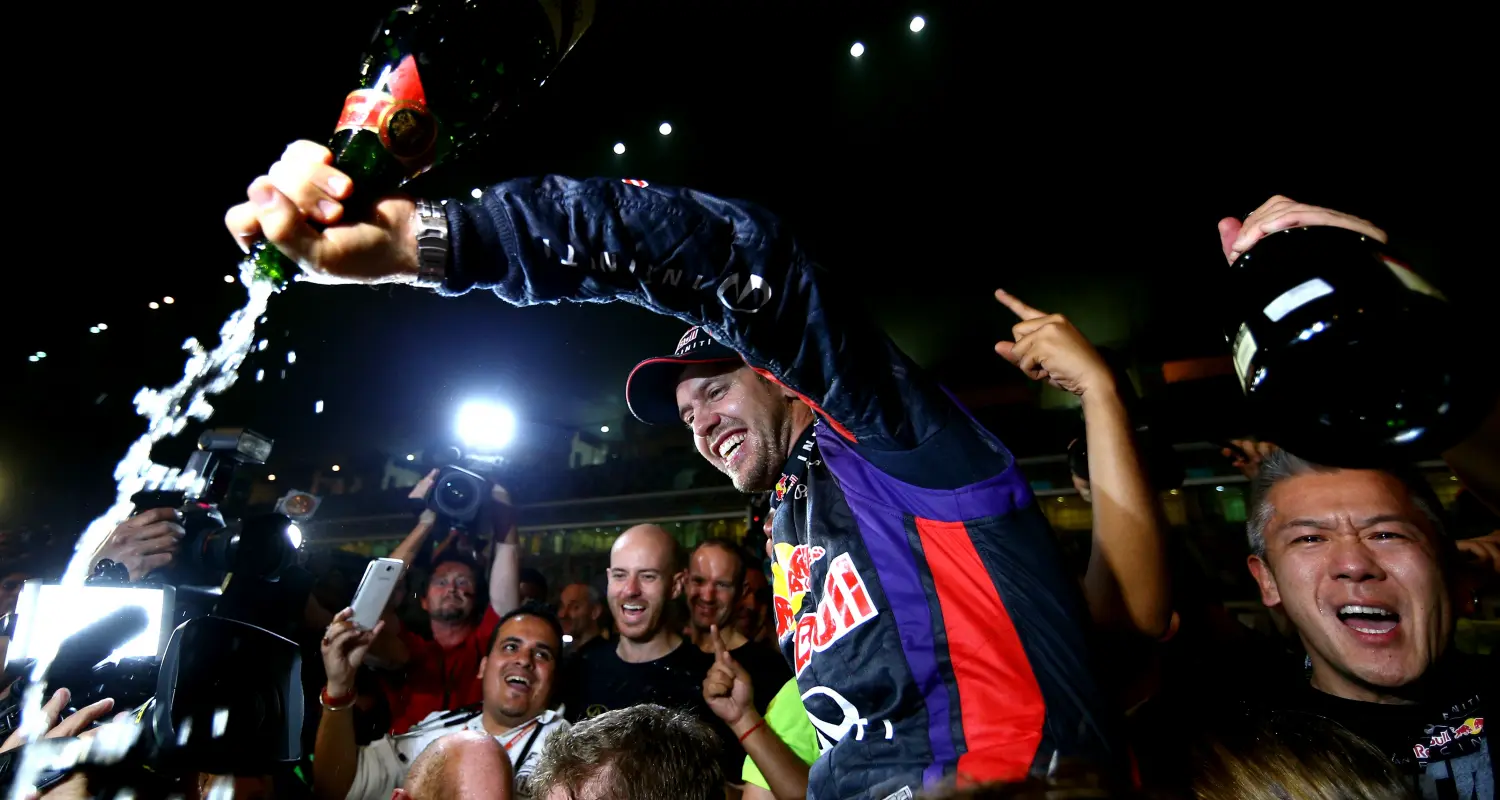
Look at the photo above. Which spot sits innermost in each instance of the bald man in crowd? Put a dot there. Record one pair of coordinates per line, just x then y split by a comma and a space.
469, 765
579, 610
649, 663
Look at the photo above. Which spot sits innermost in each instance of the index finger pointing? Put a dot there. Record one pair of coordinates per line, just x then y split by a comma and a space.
713, 631
1017, 307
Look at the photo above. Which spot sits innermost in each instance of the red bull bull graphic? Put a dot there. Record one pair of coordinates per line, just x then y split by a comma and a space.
844, 604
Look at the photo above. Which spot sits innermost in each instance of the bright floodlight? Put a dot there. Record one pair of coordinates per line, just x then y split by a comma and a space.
294, 533
476, 194
154, 305
917, 24
411, 456
857, 50
485, 426
619, 148
665, 129
168, 300
103, 327
229, 279
604, 429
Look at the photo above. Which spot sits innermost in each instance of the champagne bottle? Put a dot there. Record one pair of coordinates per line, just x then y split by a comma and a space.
1346, 355
439, 78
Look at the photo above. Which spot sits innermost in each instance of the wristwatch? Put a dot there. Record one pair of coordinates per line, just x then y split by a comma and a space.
431, 224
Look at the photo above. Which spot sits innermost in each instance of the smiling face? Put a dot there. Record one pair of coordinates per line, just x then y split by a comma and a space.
714, 584
742, 423
642, 580
450, 592
1356, 566
516, 676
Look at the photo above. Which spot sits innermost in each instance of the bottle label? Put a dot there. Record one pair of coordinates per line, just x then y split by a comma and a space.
1412, 280
1297, 297
395, 109
1244, 355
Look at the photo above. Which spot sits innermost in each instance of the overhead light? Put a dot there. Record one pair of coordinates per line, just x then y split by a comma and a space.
604, 429
94, 329
270, 477
260, 375
229, 279
41, 354
857, 50
411, 456
619, 148
168, 300
1218, 488
335, 467
318, 407
917, 24
291, 356
476, 193
665, 129
103, 327
33, 359
154, 305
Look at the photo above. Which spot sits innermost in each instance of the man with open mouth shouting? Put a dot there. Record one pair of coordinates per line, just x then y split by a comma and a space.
1359, 562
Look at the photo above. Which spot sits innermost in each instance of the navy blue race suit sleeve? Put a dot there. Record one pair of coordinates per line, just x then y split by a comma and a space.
729, 266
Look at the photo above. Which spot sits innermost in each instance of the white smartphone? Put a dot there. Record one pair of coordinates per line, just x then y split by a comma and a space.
375, 590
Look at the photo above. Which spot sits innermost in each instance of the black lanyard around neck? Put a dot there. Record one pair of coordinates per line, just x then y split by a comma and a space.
794, 474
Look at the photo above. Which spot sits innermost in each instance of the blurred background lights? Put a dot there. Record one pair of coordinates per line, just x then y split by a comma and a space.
411, 456
94, 329
604, 429
619, 148
857, 50
318, 407
476, 193
665, 129
229, 279
154, 305
291, 356
103, 327
168, 300
917, 24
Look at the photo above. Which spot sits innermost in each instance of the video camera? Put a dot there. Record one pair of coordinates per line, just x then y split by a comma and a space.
193, 648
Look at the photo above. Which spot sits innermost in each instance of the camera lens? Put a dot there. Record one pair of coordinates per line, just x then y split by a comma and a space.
458, 494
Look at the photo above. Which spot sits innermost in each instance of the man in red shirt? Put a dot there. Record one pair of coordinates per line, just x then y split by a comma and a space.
427, 675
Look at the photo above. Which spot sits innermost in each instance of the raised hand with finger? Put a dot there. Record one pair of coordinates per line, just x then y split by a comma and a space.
727, 688
1048, 347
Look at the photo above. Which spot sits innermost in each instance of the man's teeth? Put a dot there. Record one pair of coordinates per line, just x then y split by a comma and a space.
633, 609
1353, 609
517, 680
728, 446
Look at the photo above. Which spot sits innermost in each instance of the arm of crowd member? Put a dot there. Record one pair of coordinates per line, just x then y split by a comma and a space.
727, 690
388, 651
1127, 582
335, 753
726, 265
505, 568
78, 722
1250, 453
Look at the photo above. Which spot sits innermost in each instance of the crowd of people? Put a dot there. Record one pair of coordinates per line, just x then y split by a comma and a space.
916, 634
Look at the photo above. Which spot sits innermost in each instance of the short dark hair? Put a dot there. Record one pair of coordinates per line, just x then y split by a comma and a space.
530, 608
481, 586
728, 547
639, 753
534, 576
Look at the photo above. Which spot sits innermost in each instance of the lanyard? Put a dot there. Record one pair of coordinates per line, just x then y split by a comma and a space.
518, 733
804, 455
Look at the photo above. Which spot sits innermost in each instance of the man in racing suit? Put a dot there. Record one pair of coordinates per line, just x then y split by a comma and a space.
921, 600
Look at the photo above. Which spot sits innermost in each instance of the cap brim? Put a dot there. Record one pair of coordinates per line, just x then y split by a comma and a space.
651, 389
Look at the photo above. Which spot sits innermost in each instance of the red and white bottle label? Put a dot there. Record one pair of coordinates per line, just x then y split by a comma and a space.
396, 110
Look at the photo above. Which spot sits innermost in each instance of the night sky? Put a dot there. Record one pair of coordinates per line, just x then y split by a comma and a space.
1080, 162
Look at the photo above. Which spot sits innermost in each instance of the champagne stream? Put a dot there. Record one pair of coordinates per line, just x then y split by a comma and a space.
167, 412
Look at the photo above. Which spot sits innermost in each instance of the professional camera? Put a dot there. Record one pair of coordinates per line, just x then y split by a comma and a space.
196, 648
462, 488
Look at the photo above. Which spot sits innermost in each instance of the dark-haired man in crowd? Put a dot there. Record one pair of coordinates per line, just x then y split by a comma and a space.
517, 675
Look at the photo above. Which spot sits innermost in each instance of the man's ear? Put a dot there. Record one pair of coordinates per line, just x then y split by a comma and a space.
594, 614
482, 662
1270, 596
677, 582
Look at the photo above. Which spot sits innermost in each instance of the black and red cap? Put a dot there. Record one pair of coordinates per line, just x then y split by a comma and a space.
651, 389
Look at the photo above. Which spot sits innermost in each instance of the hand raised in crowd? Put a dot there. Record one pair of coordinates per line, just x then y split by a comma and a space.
1047, 347
145, 542
1251, 453
344, 647
1280, 213
72, 726
1482, 551
303, 188
428, 516
726, 688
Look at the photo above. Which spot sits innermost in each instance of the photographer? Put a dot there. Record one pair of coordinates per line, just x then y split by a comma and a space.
440, 673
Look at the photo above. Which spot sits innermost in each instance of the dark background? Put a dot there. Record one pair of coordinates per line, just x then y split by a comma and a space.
1080, 161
